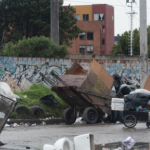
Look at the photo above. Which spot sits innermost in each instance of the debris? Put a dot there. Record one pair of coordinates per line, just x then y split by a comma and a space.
7, 125
129, 142
33, 124
17, 97
14, 125
25, 84
49, 99
43, 123
79, 120
25, 96
27, 147
27, 124
12, 84
21, 123
6, 91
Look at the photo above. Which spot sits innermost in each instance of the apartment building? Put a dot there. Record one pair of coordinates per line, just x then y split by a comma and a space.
97, 23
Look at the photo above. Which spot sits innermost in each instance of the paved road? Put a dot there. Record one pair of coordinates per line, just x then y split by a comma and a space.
36, 137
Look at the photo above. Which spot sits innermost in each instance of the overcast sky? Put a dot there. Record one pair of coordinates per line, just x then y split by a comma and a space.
122, 20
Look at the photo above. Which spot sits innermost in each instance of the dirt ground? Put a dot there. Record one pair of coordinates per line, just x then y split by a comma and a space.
35, 137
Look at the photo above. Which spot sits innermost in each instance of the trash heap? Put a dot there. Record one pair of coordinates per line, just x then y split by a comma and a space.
136, 100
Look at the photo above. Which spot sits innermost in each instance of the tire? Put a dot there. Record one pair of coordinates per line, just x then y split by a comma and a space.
22, 108
38, 111
130, 121
148, 124
90, 115
68, 116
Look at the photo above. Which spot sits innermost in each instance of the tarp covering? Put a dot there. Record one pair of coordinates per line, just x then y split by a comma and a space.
6, 107
136, 99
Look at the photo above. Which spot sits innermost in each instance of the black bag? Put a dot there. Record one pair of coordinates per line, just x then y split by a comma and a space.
136, 99
125, 90
48, 99
117, 83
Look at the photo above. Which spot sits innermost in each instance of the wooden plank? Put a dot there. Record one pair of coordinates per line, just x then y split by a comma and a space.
12, 84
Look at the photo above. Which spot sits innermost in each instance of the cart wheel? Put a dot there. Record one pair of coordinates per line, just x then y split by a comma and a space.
68, 116
148, 124
130, 121
90, 115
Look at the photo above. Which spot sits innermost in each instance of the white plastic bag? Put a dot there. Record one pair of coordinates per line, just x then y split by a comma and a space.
5, 90
141, 91
129, 142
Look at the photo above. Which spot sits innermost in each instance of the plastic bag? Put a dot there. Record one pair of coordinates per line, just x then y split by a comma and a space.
117, 83
129, 142
136, 99
141, 91
48, 99
5, 90
124, 90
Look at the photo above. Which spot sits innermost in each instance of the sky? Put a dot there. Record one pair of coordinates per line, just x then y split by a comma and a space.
122, 19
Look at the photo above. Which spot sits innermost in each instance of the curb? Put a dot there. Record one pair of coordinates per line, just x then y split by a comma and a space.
37, 121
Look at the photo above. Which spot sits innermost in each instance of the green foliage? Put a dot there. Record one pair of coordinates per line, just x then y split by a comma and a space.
34, 47
34, 94
122, 46
32, 18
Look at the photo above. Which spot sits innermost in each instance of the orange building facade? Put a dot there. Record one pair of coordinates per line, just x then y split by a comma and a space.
97, 23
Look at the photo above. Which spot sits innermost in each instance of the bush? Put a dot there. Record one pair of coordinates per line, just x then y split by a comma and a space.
34, 94
34, 47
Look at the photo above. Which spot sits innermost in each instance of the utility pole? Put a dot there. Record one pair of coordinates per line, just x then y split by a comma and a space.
131, 26
143, 43
55, 21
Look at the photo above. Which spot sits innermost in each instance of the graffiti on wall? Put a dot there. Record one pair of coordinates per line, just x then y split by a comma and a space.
31, 67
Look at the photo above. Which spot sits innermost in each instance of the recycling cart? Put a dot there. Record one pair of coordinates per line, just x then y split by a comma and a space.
87, 93
131, 118
130, 108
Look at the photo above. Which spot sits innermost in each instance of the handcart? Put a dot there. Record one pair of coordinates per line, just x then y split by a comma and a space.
87, 93
131, 118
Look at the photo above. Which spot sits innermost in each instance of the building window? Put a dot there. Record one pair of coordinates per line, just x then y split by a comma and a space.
85, 17
82, 49
90, 35
90, 49
99, 17
103, 29
103, 41
78, 17
82, 36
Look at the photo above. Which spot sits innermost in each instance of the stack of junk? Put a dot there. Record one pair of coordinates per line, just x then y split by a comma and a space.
94, 95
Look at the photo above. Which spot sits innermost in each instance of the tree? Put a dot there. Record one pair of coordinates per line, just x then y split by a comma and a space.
123, 43
34, 47
32, 18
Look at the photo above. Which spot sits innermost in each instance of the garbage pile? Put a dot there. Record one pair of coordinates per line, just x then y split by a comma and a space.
132, 100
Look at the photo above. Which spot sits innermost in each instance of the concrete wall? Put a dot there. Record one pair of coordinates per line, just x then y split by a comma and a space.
31, 67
